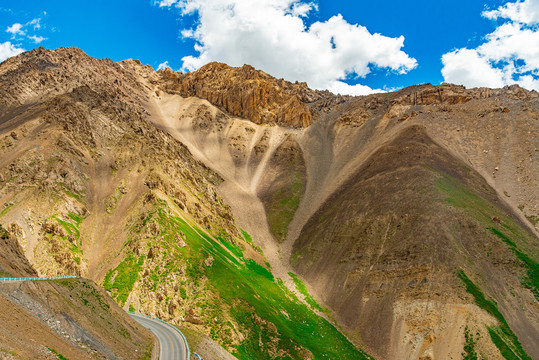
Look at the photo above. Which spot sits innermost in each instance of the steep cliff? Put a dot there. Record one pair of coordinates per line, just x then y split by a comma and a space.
250, 93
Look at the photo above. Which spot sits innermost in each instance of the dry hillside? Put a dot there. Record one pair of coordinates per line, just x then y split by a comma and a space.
71, 317
217, 200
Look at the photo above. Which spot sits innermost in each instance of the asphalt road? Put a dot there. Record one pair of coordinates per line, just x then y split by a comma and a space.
171, 342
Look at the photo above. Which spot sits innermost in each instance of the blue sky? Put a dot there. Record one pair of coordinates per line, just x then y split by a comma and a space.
458, 40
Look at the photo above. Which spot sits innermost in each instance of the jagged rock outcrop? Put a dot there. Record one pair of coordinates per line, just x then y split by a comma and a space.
251, 94
450, 94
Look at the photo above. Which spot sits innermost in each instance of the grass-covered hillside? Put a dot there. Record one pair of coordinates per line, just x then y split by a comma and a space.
206, 281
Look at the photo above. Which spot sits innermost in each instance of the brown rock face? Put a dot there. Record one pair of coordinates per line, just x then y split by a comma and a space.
450, 94
251, 94
12, 260
371, 246
42, 74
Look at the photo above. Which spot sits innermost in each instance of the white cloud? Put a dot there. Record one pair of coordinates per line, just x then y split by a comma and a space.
524, 12
509, 55
466, 66
20, 32
340, 87
36, 23
166, 3
37, 39
272, 35
15, 29
163, 65
8, 50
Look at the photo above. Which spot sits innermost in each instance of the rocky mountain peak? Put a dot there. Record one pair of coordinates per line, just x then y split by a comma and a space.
250, 93
42, 74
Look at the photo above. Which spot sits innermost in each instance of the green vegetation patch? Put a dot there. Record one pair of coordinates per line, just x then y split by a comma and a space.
532, 267
72, 228
234, 248
69, 227
303, 290
120, 281
272, 319
3, 233
469, 346
59, 356
78, 219
284, 204
246, 236
249, 241
462, 197
75, 195
5, 210
485, 212
502, 336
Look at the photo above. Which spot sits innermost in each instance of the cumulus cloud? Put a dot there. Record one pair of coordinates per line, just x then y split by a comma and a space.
525, 12
37, 39
15, 29
509, 55
340, 87
468, 67
163, 65
272, 35
35, 23
8, 50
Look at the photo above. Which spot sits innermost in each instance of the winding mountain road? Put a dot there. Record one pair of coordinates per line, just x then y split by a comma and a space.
172, 342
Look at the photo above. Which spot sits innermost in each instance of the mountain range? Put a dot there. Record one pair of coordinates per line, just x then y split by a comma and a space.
266, 219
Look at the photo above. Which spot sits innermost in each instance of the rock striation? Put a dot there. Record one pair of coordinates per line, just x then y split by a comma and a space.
251, 94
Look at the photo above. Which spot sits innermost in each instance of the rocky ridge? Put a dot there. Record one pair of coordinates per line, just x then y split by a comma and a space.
467, 124
128, 170
251, 94
91, 187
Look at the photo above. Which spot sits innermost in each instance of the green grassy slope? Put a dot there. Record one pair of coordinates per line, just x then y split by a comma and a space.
232, 295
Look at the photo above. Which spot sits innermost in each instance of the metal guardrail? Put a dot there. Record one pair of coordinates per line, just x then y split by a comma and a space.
44, 278
164, 322
36, 278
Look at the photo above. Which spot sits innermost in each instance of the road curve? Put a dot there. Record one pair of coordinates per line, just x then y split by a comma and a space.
172, 343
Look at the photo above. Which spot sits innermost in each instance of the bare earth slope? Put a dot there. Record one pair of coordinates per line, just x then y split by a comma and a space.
381, 261
89, 186
72, 317
484, 147
406, 214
